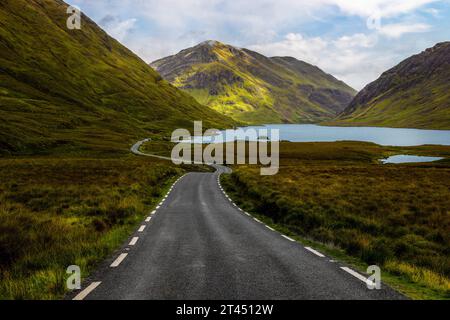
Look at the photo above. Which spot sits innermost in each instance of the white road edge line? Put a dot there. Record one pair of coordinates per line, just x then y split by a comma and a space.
317, 253
141, 229
286, 237
153, 212
133, 241
119, 260
357, 275
83, 294
270, 228
148, 219
257, 220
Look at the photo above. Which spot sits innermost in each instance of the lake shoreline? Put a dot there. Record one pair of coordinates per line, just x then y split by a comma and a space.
383, 136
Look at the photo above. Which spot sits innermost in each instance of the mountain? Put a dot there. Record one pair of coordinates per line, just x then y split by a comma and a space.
66, 90
415, 93
252, 88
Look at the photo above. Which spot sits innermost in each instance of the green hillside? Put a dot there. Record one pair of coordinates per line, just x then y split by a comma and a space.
252, 88
414, 94
79, 90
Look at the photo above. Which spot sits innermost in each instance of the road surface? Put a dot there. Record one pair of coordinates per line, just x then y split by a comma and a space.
199, 245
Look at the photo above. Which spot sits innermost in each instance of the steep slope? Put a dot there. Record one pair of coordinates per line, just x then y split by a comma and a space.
415, 93
252, 88
79, 89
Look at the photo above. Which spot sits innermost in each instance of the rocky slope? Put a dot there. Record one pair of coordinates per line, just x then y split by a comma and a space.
72, 90
415, 93
252, 88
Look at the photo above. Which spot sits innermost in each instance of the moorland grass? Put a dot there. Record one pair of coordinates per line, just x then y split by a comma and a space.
338, 194
60, 212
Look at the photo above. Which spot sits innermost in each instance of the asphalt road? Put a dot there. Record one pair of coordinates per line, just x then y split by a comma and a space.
198, 245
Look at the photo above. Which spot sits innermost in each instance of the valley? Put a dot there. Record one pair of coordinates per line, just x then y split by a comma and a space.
85, 179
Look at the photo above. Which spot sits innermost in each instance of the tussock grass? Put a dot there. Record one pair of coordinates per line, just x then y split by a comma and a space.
60, 212
395, 216
421, 276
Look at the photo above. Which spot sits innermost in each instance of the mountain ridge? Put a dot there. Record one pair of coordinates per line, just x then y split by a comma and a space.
75, 90
415, 93
253, 88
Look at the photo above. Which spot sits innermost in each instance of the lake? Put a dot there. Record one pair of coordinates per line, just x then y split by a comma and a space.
409, 159
315, 133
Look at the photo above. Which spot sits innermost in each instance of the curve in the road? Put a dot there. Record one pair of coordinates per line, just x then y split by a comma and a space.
198, 244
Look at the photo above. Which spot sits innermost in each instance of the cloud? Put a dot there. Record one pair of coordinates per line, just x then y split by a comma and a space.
396, 30
294, 45
116, 27
353, 59
433, 12
330, 33
384, 8
354, 41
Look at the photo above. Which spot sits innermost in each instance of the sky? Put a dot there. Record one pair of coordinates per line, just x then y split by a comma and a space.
354, 40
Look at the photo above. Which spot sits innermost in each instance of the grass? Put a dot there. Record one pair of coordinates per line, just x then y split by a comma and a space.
59, 212
339, 195
64, 91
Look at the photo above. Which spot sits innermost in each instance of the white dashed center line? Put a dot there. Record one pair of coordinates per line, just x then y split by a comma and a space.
83, 294
357, 275
119, 260
133, 241
317, 253
286, 237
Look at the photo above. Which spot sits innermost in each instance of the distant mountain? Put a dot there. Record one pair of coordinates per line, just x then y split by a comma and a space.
252, 88
415, 93
70, 90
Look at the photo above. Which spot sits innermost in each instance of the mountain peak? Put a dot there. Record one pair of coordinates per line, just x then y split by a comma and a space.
208, 51
210, 43
253, 88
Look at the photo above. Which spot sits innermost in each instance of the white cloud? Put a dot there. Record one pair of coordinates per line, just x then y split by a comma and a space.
294, 45
385, 8
355, 40
117, 28
352, 59
396, 30
434, 12
274, 28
